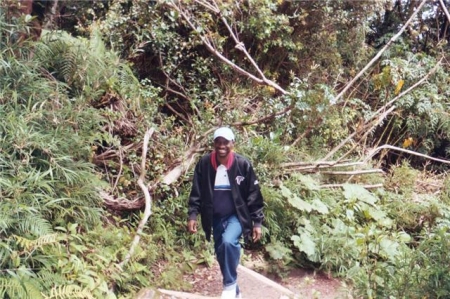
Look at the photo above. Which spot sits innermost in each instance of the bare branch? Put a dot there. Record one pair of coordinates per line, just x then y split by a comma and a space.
319, 164
240, 46
381, 113
432, 71
264, 118
120, 170
208, 5
209, 44
388, 44
148, 200
355, 172
173, 175
342, 185
121, 203
387, 146
445, 9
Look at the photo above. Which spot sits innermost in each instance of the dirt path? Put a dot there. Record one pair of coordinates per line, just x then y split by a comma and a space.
206, 283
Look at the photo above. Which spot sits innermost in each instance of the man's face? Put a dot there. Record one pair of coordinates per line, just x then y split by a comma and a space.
222, 146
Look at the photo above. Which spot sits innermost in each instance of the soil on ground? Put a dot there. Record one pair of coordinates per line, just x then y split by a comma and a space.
207, 281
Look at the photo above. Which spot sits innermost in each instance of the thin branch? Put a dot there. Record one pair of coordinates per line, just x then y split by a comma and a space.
319, 164
307, 131
173, 175
445, 10
239, 45
342, 185
355, 172
148, 199
388, 44
264, 118
387, 146
340, 145
432, 71
120, 170
381, 113
208, 5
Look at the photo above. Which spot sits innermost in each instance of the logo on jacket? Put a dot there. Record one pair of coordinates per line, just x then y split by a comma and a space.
239, 179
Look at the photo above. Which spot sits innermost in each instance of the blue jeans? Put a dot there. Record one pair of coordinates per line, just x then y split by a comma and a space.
226, 234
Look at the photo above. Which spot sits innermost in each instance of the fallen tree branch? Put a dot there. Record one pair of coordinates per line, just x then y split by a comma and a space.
355, 172
173, 175
382, 113
148, 200
388, 44
342, 185
209, 43
121, 203
264, 118
445, 10
319, 164
387, 146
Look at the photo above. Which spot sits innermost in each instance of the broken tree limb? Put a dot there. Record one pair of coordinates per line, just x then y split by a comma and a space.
412, 87
388, 44
342, 185
382, 113
174, 174
355, 172
444, 8
319, 164
148, 200
209, 43
391, 147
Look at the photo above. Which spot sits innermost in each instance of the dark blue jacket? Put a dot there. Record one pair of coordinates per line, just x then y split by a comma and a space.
245, 191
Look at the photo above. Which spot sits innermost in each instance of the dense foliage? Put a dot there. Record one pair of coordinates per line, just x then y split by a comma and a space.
77, 97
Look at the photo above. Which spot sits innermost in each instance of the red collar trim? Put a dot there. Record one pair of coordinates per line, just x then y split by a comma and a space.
229, 161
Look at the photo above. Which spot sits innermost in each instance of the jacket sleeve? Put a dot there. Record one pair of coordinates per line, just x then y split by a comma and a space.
195, 198
255, 202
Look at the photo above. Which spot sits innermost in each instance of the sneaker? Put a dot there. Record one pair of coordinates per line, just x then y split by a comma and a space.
228, 294
231, 294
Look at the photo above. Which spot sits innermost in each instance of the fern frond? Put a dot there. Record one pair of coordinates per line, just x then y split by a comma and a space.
32, 245
50, 278
17, 286
35, 225
12, 288
68, 291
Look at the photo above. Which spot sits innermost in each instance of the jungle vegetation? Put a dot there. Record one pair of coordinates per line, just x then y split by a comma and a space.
341, 105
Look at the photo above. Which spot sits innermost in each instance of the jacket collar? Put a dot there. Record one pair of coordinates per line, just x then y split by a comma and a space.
229, 161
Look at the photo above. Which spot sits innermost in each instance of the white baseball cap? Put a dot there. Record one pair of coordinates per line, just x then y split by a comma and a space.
224, 132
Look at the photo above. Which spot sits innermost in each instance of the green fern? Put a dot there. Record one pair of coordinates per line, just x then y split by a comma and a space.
68, 292
32, 245
19, 286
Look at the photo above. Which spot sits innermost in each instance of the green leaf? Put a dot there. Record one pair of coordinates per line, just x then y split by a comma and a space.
376, 214
295, 201
308, 182
286, 192
305, 244
359, 193
319, 206
404, 237
389, 248
278, 251
300, 204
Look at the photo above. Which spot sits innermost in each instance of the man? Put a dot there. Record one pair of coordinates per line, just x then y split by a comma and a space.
226, 193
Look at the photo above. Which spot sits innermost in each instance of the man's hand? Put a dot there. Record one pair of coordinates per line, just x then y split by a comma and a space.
256, 233
192, 226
